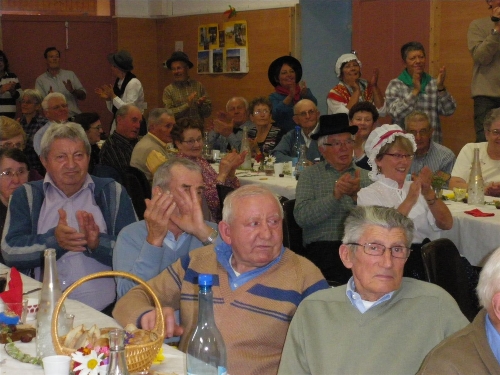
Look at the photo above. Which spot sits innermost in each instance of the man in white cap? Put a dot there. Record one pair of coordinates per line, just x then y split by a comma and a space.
185, 96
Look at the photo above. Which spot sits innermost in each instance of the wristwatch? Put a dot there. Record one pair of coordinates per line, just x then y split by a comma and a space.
211, 238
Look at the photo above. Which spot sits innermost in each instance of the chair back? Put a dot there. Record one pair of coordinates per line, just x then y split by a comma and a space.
222, 192
292, 232
445, 267
138, 188
101, 170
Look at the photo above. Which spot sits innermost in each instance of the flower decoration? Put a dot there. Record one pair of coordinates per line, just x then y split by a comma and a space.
231, 12
89, 361
159, 357
258, 157
269, 161
439, 179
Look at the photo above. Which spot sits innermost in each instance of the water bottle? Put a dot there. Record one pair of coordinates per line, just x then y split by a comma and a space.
117, 363
206, 351
475, 188
245, 146
50, 294
302, 163
296, 146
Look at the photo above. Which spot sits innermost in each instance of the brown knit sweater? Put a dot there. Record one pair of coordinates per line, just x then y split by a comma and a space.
253, 319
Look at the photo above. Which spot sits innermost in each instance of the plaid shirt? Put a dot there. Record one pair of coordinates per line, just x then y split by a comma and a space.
400, 103
175, 98
30, 129
320, 215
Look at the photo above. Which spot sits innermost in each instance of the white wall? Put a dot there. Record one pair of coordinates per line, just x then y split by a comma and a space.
169, 8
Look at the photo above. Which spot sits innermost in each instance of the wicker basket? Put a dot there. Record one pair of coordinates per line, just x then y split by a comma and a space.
139, 357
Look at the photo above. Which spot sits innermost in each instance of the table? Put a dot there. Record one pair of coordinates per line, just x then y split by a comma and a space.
475, 237
283, 186
174, 359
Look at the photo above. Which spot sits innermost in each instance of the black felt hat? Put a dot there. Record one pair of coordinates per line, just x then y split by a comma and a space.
122, 60
179, 56
274, 69
334, 124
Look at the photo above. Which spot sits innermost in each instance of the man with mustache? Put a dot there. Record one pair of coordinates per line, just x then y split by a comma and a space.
185, 96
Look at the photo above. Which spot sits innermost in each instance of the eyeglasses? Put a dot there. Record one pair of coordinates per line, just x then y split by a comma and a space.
311, 112
18, 145
57, 107
402, 156
375, 249
421, 132
261, 112
495, 132
191, 142
338, 144
10, 173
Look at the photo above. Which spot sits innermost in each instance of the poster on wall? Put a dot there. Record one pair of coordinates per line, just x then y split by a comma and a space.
223, 50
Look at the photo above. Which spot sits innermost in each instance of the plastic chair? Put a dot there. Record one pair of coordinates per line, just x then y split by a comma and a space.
445, 267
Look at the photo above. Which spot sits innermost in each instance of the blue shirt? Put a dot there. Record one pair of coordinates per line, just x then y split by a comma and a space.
357, 301
224, 252
493, 337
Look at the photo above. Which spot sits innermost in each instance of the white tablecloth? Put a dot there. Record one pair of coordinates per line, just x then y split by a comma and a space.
475, 237
174, 359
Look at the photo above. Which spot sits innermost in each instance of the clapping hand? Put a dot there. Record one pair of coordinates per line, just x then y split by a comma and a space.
229, 163
347, 185
189, 216
374, 78
89, 228
105, 92
69, 86
440, 78
158, 212
67, 237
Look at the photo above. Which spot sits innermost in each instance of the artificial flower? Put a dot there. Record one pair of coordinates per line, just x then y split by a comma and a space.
89, 364
269, 161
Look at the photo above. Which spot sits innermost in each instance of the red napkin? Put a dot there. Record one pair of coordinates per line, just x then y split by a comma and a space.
477, 213
15, 292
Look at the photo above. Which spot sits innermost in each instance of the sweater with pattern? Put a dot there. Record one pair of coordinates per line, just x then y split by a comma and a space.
253, 319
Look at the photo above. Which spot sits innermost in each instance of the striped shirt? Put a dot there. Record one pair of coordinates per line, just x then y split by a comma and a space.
117, 151
438, 158
7, 99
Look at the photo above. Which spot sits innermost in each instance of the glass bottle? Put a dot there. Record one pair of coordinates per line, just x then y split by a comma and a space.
476, 184
50, 294
302, 163
245, 146
207, 148
206, 351
117, 362
296, 146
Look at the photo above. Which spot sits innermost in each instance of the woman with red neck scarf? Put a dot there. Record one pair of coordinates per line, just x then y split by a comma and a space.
285, 73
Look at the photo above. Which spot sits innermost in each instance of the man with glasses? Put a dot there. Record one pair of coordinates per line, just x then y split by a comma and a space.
429, 153
379, 322
489, 155
156, 146
306, 115
325, 194
59, 80
117, 150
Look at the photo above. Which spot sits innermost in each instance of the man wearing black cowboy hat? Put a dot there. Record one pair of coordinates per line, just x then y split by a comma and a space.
127, 88
325, 194
185, 97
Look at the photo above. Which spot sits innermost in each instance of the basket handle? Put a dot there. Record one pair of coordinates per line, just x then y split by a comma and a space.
160, 320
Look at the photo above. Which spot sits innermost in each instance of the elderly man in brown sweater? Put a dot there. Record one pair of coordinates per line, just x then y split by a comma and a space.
258, 284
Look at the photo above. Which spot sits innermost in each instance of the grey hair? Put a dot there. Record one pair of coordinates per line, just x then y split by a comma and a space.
489, 280
68, 130
52, 95
417, 116
155, 115
251, 190
491, 117
324, 139
361, 217
34, 94
163, 174
241, 98
123, 110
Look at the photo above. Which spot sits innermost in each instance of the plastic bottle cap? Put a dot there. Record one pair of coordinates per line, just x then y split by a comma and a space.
205, 279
